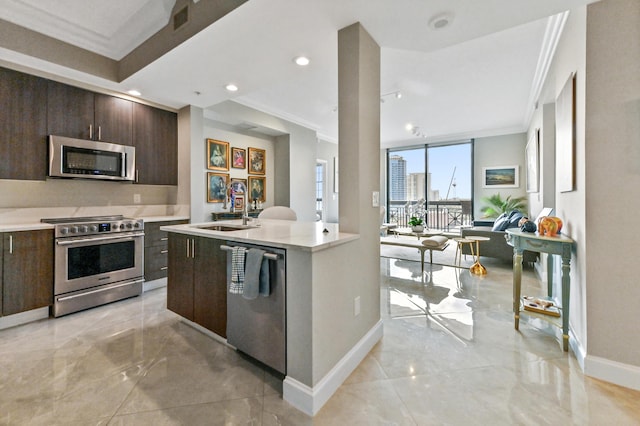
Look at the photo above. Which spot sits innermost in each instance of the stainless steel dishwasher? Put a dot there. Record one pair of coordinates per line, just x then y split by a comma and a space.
257, 327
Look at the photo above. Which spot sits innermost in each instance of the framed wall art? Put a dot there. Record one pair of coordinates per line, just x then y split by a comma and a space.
257, 161
533, 162
216, 187
238, 203
238, 158
217, 155
257, 188
501, 177
236, 185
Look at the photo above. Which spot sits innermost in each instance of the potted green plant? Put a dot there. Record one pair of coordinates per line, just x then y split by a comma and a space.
496, 205
416, 224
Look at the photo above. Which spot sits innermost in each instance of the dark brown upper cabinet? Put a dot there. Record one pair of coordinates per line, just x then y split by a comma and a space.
79, 113
155, 136
23, 126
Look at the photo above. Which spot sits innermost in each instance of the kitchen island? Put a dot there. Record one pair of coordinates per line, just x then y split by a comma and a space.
331, 321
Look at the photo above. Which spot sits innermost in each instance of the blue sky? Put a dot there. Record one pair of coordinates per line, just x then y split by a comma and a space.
442, 161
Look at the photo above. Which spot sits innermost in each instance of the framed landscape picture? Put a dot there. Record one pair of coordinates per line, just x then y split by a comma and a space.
216, 187
238, 158
217, 155
257, 188
501, 177
257, 161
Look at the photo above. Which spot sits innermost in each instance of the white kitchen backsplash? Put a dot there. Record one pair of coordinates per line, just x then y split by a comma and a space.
9, 216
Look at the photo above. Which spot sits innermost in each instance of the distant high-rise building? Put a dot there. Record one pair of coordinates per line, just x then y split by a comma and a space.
415, 186
397, 178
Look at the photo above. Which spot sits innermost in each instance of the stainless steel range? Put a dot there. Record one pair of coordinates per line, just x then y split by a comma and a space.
97, 260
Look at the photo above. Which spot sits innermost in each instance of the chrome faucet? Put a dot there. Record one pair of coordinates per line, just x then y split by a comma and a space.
245, 207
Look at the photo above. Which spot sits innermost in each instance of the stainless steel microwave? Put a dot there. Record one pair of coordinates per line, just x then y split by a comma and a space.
78, 158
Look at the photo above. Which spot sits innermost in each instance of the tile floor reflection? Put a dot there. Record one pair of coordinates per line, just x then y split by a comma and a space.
449, 355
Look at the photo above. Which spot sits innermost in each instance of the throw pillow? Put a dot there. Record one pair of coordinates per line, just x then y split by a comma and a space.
514, 218
501, 223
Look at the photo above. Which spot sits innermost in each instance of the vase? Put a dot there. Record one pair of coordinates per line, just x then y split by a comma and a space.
417, 228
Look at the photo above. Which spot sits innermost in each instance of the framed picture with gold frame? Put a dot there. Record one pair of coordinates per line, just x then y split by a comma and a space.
257, 161
257, 188
216, 187
236, 185
217, 155
238, 158
238, 203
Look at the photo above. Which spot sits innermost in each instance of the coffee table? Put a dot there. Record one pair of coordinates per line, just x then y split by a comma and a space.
409, 231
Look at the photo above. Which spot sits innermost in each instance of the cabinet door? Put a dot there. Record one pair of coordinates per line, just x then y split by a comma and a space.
27, 271
210, 286
155, 136
70, 111
23, 126
113, 119
180, 276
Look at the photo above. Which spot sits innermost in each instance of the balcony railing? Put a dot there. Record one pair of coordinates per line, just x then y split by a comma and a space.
446, 216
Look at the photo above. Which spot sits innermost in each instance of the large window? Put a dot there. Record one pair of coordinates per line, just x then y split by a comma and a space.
436, 177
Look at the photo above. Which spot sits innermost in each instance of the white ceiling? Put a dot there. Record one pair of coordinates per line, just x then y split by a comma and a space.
478, 76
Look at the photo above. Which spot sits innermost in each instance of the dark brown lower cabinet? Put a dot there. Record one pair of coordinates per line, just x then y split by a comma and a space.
27, 270
197, 281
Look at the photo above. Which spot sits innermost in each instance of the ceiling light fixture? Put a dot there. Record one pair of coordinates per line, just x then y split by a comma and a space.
231, 87
303, 61
415, 131
397, 94
134, 92
441, 21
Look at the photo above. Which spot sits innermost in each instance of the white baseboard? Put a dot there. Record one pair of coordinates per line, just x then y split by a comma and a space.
23, 317
310, 400
612, 371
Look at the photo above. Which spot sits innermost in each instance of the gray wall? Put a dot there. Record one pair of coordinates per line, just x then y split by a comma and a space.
506, 150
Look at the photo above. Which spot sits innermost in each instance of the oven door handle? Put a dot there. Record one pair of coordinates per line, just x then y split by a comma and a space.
112, 237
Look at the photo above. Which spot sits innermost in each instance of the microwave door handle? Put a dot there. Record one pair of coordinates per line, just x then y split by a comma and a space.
123, 169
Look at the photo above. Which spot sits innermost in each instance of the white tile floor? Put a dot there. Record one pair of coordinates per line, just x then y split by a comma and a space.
449, 355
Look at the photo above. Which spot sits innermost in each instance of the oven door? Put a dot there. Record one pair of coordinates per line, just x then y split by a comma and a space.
90, 261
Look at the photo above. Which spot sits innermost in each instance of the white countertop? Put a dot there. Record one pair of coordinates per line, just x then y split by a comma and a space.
308, 236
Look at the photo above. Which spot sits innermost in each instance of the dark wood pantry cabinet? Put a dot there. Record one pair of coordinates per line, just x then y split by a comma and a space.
26, 276
155, 136
197, 281
23, 126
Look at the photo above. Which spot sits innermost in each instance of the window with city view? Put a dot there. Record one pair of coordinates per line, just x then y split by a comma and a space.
433, 181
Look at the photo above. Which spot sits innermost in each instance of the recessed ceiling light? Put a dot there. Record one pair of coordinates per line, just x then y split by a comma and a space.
231, 87
303, 61
134, 93
441, 21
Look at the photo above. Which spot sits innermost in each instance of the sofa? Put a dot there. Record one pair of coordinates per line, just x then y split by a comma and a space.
497, 246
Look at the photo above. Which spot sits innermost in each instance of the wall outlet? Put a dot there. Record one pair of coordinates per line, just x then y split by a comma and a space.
356, 306
375, 199
137, 198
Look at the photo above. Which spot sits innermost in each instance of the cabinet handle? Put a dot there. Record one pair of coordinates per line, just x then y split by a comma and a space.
164, 251
193, 249
164, 239
137, 180
164, 268
188, 247
10, 244
90, 131
99, 133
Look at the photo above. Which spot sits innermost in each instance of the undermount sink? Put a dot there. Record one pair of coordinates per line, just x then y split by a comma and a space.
225, 227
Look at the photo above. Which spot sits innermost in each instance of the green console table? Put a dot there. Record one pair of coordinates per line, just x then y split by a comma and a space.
558, 245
